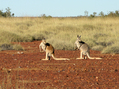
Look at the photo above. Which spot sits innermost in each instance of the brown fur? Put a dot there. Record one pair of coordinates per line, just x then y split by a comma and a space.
42, 46
50, 52
84, 48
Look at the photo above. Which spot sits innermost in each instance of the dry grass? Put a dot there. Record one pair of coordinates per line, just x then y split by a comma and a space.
61, 32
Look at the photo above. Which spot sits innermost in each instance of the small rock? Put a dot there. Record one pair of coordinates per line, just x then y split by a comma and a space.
22, 52
15, 59
58, 70
116, 70
96, 78
97, 83
9, 70
63, 70
18, 52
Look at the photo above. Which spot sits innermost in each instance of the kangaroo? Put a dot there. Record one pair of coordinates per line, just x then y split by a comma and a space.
50, 51
84, 48
42, 45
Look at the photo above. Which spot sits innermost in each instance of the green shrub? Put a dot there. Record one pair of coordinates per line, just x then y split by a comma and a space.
11, 47
111, 49
18, 47
6, 47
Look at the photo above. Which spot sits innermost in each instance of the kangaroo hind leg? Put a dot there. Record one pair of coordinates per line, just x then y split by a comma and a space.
80, 56
47, 57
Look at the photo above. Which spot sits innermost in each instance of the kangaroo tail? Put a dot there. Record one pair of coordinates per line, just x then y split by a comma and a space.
59, 58
94, 58
98, 58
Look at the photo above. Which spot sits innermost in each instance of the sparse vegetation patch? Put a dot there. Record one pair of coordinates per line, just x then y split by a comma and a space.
99, 34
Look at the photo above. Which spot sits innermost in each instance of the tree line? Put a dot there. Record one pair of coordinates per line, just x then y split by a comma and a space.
7, 13
101, 14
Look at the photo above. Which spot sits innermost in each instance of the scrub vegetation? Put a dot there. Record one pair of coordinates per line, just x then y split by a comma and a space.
100, 33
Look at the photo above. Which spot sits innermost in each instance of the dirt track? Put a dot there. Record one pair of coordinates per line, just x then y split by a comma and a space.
27, 71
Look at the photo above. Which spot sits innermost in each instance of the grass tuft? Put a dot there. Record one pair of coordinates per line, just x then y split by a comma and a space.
18, 47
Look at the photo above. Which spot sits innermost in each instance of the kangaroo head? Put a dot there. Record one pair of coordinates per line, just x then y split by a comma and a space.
77, 41
78, 38
43, 41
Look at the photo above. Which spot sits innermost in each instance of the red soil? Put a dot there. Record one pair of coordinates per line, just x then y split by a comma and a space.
27, 71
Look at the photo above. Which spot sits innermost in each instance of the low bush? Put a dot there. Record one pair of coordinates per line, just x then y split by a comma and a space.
18, 47
11, 47
111, 49
6, 47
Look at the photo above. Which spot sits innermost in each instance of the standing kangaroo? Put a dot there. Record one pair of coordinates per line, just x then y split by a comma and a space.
49, 51
84, 48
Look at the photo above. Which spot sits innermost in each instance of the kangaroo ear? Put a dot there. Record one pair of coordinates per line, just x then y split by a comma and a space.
43, 39
78, 36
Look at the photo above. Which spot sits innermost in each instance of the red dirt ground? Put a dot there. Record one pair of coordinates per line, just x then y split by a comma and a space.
27, 71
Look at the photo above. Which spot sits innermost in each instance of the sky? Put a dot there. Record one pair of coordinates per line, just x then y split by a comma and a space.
58, 8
